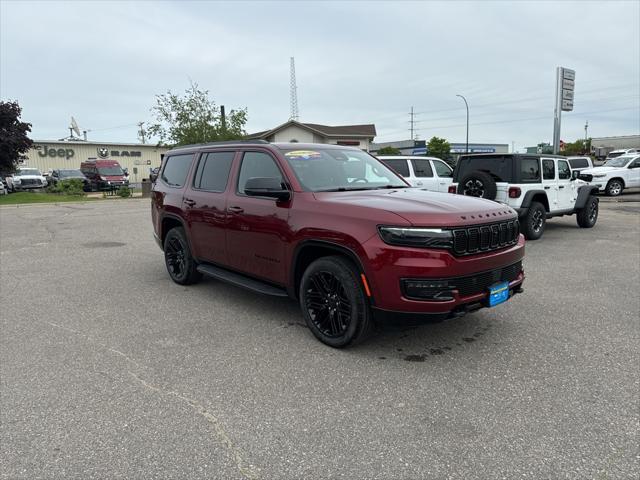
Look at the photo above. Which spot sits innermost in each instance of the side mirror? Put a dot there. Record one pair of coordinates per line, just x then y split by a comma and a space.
153, 177
575, 174
267, 187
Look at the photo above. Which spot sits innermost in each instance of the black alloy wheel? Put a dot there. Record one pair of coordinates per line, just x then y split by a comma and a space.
478, 184
474, 188
588, 215
180, 264
535, 221
327, 304
333, 302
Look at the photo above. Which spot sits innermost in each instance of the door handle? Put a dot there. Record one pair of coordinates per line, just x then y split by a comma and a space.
189, 202
547, 188
235, 209
561, 186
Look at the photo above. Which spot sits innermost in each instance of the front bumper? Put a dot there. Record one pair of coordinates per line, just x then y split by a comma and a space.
389, 265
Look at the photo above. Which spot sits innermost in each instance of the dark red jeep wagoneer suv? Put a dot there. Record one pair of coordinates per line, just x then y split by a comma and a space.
335, 229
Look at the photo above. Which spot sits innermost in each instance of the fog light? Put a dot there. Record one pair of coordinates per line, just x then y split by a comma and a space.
433, 290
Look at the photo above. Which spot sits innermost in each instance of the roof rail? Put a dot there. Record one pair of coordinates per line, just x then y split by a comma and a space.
226, 142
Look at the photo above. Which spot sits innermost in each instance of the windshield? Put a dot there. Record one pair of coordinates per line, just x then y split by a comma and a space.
28, 171
618, 161
334, 170
70, 173
114, 170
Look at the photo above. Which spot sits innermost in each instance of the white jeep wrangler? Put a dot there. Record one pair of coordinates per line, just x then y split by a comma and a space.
536, 186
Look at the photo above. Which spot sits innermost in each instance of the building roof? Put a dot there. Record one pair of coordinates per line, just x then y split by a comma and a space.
366, 130
98, 143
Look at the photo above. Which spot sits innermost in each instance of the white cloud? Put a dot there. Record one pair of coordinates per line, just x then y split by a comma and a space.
356, 62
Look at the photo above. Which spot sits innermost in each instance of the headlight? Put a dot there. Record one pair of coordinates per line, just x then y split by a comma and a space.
598, 175
416, 237
16, 180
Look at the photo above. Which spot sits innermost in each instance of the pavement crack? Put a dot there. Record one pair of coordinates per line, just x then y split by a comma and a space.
247, 470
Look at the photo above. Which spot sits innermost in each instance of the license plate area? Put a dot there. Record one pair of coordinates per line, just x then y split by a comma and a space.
498, 293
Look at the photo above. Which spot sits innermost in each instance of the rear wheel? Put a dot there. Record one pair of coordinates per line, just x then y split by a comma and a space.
614, 187
333, 302
177, 256
588, 215
535, 221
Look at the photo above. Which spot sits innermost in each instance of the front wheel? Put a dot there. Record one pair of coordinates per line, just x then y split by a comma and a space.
614, 187
333, 302
588, 215
177, 256
535, 221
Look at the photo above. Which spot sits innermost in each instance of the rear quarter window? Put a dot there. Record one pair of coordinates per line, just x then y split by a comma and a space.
578, 163
398, 165
176, 168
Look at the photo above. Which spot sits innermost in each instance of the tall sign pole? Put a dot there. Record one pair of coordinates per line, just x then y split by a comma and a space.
565, 84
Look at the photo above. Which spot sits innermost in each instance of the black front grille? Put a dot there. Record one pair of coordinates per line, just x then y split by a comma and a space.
480, 282
31, 181
485, 238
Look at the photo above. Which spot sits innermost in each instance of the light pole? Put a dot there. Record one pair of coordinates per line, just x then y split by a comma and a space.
466, 105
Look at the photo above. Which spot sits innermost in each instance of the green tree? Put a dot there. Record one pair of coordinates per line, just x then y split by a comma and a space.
14, 141
389, 151
439, 148
194, 118
579, 147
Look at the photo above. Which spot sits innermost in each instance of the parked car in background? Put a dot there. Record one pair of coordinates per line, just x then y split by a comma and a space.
335, 229
615, 175
3, 188
620, 152
59, 175
429, 173
104, 174
26, 178
580, 163
536, 186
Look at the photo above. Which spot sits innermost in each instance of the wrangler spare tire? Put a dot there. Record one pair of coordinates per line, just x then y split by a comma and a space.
478, 184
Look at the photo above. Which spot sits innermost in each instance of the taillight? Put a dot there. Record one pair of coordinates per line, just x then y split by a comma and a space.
452, 189
514, 192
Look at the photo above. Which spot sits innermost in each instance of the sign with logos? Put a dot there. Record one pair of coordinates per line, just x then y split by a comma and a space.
51, 152
104, 152
568, 77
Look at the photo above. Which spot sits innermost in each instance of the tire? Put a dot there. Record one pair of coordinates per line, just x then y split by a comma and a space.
614, 187
330, 290
534, 221
178, 259
588, 215
478, 184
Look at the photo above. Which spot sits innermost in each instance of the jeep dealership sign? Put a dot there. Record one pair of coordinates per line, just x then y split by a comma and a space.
46, 151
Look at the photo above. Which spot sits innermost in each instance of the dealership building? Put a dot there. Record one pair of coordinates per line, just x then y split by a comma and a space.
419, 147
62, 154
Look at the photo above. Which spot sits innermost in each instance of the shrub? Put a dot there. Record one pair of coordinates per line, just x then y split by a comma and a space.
72, 186
124, 192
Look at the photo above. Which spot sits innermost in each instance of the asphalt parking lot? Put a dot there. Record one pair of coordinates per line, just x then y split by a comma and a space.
110, 370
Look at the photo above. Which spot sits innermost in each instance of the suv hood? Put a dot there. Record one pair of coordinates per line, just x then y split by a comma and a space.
425, 208
29, 177
591, 171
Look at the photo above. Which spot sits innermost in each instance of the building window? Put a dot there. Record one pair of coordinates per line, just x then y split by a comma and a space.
348, 143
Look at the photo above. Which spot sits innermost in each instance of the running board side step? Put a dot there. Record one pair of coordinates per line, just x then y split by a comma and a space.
241, 281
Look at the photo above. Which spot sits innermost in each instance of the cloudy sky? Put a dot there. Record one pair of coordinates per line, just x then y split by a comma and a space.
356, 62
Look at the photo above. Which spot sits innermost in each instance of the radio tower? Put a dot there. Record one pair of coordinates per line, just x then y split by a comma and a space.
293, 92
